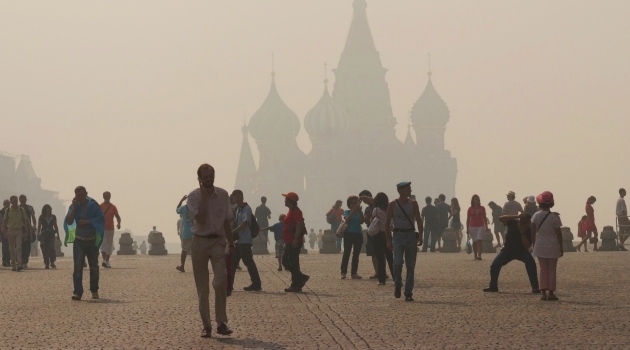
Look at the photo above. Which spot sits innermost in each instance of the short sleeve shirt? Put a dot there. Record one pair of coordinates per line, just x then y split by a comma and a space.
546, 245
430, 216
217, 211
186, 222
244, 214
277, 230
294, 216
110, 211
354, 225
444, 211
262, 215
513, 242
590, 213
622, 210
477, 216
512, 208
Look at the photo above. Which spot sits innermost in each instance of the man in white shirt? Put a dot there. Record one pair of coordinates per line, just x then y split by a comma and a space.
512, 207
622, 216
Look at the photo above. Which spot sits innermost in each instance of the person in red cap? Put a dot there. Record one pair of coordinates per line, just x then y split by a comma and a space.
591, 229
547, 239
293, 236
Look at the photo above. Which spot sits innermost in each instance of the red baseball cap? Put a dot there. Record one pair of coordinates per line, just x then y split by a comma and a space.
292, 196
545, 197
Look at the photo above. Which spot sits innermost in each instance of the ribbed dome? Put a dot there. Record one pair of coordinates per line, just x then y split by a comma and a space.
327, 120
274, 120
430, 109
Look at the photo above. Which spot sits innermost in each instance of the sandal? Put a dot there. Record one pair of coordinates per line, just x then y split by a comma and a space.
552, 297
543, 297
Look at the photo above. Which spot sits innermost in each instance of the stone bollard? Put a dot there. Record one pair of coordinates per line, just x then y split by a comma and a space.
259, 246
126, 245
449, 241
609, 240
58, 251
567, 240
157, 244
329, 241
488, 238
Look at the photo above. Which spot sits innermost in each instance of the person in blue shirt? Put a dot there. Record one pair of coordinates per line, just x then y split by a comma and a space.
353, 237
186, 233
277, 230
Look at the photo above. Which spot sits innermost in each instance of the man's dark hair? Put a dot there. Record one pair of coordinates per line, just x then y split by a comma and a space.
79, 188
622, 190
203, 166
13, 196
492, 204
22, 196
237, 192
442, 197
339, 201
592, 199
428, 200
263, 199
365, 193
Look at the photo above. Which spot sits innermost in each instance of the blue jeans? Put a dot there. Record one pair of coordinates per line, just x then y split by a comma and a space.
429, 232
503, 258
404, 245
351, 242
81, 250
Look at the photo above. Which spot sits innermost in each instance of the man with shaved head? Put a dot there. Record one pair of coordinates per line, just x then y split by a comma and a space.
110, 212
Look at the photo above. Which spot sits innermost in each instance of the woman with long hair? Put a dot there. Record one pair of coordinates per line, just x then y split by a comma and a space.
476, 224
47, 231
353, 237
382, 254
456, 221
547, 239
591, 229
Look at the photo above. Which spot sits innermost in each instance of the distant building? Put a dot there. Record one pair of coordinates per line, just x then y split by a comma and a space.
353, 136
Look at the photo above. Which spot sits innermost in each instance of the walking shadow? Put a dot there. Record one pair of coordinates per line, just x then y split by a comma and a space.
252, 343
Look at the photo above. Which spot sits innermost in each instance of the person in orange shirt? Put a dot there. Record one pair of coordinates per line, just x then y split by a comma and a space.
109, 211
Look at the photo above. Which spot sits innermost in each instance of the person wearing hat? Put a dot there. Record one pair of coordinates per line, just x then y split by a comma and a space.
512, 207
530, 206
403, 213
547, 239
293, 235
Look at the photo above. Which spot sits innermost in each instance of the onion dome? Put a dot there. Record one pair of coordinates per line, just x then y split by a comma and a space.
327, 120
430, 109
274, 120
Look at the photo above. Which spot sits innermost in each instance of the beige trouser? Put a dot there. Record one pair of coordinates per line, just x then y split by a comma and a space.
204, 249
14, 236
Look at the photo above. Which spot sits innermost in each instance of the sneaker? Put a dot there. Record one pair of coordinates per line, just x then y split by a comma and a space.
206, 333
354, 276
408, 297
94, 295
76, 297
223, 329
491, 290
343, 276
108, 265
53, 265
397, 292
252, 288
293, 289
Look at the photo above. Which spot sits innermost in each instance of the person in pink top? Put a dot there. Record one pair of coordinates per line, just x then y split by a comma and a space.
547, 239
476, 224
591, 229
581, 232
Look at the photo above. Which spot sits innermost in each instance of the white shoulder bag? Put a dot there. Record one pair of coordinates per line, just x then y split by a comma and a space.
374, 229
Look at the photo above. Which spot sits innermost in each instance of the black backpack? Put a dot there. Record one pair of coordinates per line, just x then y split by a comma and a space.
254, 228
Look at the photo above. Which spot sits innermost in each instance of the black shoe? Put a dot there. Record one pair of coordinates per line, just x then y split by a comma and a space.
305, 279
223, 329
491, 290
536, 291
206, 333
229, 292
53, 265
252, 288
408, 297
47, 267
397, 292
293, 289
76, 297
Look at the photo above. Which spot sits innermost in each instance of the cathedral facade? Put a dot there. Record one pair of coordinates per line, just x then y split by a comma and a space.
353, 136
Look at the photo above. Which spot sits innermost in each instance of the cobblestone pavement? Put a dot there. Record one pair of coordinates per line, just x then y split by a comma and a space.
146, 304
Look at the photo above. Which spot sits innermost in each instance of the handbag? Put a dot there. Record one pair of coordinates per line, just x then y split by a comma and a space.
469, 248
341, 230
374, 228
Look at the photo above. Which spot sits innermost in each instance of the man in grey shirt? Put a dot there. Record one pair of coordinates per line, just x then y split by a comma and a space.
512, 207
244, 242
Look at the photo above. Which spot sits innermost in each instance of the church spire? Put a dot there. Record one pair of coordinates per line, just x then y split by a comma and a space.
246, 166
360, 52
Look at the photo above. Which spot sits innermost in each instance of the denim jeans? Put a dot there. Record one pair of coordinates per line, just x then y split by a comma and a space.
503, 258
405, 251
334, 228
429, 232
383, 256
351, 242
291, 262
81, 250
244, 251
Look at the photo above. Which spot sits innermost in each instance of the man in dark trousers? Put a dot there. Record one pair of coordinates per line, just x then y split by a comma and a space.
242, 220
26, 243
431, 219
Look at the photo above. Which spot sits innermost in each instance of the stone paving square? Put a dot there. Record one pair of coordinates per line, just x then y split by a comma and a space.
146, 304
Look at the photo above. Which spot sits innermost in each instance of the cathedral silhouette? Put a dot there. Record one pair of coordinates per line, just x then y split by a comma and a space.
354, 146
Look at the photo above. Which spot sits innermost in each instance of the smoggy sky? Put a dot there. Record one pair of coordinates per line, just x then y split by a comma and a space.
131, 96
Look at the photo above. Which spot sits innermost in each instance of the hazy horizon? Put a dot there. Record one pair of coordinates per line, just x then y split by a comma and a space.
130, 97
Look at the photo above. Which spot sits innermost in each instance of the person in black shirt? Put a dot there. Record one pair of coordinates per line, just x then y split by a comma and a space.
431, 224
518, 230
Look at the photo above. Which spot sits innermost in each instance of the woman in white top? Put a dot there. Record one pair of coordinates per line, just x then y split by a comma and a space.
547, 239
381, 252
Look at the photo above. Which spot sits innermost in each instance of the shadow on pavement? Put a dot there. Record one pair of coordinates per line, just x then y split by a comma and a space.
251, 343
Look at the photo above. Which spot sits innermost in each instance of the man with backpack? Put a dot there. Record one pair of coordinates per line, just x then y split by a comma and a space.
246, 229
